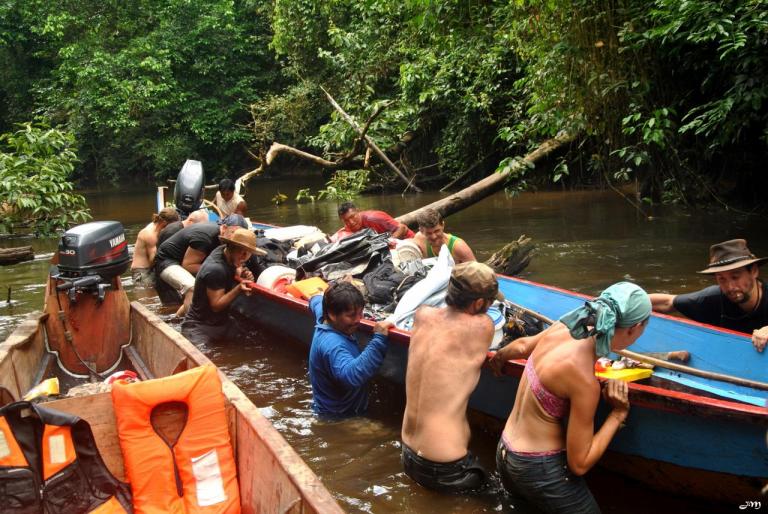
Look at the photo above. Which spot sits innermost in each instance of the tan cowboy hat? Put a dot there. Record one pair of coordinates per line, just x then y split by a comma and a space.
730, 255
244, 239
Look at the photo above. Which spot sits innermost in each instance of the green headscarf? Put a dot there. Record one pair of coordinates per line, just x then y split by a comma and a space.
621, 305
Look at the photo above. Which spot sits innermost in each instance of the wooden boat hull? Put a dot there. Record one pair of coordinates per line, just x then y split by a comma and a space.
687, 443
272, 476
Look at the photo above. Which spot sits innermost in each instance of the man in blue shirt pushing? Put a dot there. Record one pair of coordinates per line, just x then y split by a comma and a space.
338, 370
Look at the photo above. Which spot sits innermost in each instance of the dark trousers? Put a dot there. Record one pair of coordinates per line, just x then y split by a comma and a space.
460, 476
203, 335
544, 482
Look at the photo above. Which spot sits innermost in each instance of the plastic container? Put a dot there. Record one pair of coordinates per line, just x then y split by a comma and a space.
627, 374
277, 278
407, 251
307, 288
498, 324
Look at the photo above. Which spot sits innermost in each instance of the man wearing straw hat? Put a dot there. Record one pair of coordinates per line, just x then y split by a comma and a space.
738, 301
222, 278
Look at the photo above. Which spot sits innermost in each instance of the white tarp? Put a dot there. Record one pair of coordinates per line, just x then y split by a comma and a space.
289, 233
429, 291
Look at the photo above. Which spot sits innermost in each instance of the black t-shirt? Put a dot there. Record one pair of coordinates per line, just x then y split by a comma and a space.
169, 230
215, 273
203, 237
711, 306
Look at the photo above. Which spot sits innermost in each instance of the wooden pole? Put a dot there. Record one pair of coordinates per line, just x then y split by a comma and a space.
370, 142
668, 365
693, 371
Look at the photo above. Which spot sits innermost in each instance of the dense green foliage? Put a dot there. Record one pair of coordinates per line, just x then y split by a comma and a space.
671, 93
142, 85
35, 193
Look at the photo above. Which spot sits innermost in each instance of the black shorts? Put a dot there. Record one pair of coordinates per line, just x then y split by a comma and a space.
460, 476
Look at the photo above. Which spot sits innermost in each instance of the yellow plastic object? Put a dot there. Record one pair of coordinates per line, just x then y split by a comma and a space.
627, 375
45, 388
306, 288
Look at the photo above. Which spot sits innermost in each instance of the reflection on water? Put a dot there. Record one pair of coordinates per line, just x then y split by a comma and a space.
586, 241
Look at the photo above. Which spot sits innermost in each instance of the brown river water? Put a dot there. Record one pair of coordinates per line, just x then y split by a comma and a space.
586, 241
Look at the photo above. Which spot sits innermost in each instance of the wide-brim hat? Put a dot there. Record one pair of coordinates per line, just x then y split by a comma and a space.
245, 239
730, 255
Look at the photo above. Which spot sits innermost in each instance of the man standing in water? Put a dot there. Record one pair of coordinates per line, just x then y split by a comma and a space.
146, 246
738, 301
179, 258
218, 283
338, 370
448, 348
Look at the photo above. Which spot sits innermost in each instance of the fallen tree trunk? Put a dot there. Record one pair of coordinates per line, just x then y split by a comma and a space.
489, 184
15, 255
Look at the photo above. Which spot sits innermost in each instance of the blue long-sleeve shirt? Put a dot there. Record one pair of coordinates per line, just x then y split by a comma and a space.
338, 371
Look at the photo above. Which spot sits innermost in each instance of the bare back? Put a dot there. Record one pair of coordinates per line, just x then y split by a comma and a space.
447, 350
146, 246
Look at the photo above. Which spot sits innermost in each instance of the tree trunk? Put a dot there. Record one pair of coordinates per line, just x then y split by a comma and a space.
15, 255
513, 257
489, 184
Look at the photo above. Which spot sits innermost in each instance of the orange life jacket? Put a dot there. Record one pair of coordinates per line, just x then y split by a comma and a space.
197, 473
49, 462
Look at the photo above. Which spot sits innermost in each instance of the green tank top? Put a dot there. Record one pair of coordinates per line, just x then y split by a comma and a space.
451, 242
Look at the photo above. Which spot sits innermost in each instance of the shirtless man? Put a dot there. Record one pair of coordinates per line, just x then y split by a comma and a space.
448, 348
146, 246
432, 236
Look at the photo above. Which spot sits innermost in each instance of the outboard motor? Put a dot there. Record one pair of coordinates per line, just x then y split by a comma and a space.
90, 256
188, 192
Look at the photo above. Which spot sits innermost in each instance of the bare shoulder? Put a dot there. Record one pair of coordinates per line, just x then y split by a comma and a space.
481, 322
425, 313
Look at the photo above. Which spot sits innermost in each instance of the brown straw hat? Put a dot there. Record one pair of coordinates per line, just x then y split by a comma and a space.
476, 280
730, 255
245, 239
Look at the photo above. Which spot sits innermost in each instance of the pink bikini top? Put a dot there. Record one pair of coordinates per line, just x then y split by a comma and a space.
553, 405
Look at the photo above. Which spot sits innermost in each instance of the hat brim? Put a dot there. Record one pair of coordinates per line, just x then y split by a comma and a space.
732, 266
253, 249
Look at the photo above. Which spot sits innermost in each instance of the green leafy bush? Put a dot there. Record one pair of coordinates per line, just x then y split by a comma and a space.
35, 192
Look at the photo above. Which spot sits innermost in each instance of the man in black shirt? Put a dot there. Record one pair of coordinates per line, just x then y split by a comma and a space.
199, 216
222, 278
179, 257
738, 301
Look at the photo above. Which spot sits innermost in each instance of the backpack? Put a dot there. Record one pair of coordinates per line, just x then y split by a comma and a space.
381, 283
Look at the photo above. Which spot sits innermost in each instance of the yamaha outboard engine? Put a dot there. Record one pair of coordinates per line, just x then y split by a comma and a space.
90, 256
188, 193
